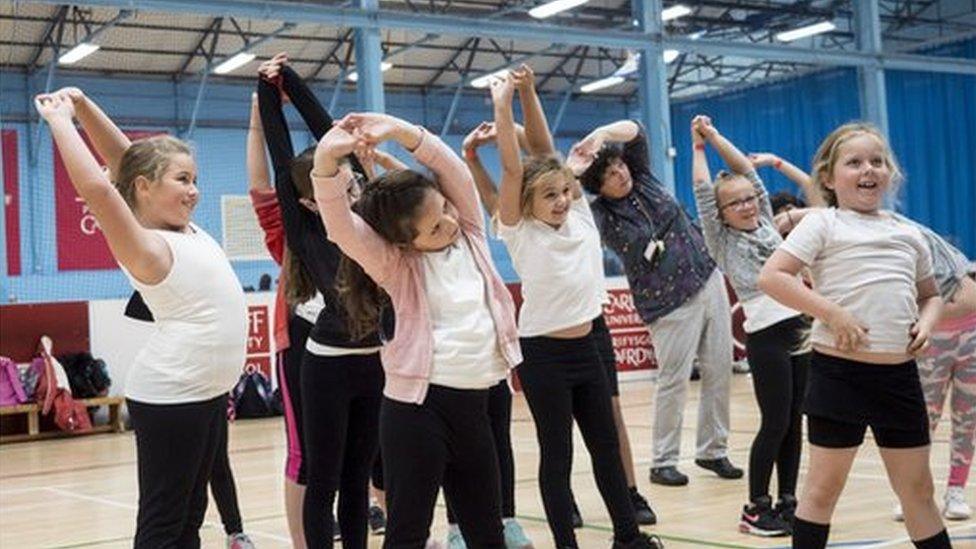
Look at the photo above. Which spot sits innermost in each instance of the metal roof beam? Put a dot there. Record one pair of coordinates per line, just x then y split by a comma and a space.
536, 32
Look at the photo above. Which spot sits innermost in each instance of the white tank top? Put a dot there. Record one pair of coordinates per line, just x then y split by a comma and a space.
197, 348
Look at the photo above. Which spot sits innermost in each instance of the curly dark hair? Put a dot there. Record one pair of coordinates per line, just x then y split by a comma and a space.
592, 178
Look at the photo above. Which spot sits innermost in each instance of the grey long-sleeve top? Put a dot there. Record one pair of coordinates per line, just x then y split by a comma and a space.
740, 254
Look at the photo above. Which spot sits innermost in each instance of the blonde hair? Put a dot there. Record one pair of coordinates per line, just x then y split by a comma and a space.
148, 158
827, 153
537, 171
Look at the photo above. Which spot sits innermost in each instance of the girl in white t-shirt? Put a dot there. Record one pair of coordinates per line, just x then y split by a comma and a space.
546, 223
874, 302
176, 391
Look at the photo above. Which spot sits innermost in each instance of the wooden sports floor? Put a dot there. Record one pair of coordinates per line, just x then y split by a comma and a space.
82, 492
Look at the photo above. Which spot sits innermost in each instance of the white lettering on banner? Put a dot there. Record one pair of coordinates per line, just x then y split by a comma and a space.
88, 224
258, 340
631, 339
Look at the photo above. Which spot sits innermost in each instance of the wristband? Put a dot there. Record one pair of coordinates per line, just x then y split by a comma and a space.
778, 164
699, 146
471, 154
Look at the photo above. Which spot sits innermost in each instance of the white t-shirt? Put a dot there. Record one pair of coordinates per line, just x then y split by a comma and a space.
763, 311
867, 264
561, 270
197, 347
466, 353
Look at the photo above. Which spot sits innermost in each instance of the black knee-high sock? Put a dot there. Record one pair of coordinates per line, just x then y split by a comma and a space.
938, 541
809, 535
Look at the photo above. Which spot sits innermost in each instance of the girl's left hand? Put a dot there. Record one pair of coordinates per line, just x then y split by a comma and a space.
338, 143
524, 78
369, 127
502, 89
51, 106
920, 339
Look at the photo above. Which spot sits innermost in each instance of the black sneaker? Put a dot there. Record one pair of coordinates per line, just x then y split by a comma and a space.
786, 508
336, 532
645, 515
377, 520
642, 541
577, 517
668, 476
721, 467
759, 519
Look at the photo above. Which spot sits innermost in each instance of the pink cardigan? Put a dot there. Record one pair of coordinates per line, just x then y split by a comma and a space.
408, 356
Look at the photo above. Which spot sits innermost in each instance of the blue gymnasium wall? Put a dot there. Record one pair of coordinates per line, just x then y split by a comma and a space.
932, 125
932, 119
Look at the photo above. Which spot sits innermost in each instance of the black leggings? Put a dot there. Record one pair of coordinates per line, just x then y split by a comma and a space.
500, 416
341, 421
446, 441
564, 379
223, 488
779, 379
175, 449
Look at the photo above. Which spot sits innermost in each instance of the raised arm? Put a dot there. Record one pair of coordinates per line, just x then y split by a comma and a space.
510, 190
731, 155
453, 176
813, 197
141, 251
107, 139
263, 197
628, 132
538, 138
353, 235
738, 163
483, 133
258, 178
703, 188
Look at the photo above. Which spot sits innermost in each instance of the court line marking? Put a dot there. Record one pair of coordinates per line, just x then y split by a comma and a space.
130, 507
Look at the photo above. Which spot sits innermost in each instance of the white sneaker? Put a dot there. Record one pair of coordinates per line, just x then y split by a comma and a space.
956, 507
897, 514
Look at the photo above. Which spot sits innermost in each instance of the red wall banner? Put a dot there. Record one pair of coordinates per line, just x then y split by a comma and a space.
258, 340
81, 245
11, 200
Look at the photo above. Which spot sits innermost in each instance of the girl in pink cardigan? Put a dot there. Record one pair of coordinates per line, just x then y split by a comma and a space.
419, 244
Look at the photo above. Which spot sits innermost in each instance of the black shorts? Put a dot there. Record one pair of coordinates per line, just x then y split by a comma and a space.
845, 397
830, 433
604, 347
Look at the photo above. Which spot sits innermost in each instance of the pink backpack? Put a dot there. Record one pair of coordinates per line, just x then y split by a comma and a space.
11, 390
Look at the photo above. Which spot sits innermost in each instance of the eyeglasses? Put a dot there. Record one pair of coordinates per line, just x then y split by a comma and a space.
741, 203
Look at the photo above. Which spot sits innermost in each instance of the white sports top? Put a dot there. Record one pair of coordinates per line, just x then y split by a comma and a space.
199, 339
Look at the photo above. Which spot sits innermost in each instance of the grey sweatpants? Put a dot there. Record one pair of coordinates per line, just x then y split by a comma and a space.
701, 327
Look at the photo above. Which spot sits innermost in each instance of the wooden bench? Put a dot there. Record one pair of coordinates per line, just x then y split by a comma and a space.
33, 411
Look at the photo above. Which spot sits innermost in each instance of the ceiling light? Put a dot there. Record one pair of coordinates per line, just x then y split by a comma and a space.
78, 53
552, 8
483, 81
674, 12
602, 83
803, 32
234, 62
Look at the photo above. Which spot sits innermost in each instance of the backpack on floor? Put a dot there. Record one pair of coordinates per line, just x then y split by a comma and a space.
12, 390
54, 392
253, 396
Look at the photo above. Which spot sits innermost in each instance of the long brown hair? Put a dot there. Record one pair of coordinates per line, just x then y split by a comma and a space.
299, 286
389, 205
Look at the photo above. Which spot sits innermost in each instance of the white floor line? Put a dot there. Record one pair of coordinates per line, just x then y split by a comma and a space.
130, 507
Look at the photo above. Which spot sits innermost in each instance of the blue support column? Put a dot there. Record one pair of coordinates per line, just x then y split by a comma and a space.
655, 108
369, 55
4, 294
871, 78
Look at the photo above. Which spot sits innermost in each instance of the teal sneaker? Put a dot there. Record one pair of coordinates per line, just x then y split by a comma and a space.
515, 537
454, 538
